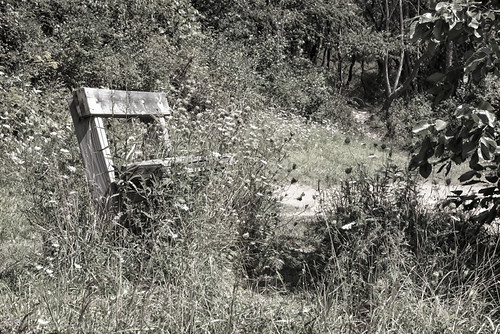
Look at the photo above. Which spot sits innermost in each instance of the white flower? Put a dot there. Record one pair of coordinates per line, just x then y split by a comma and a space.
182, 206
71, 169
63, 150
43, 322
15, 158
348, 226
77, 266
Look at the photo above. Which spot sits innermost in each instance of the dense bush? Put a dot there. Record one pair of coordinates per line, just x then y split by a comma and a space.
112, 44
378, 227
185, 257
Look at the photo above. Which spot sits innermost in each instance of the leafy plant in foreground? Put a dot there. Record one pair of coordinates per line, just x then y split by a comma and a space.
475, 135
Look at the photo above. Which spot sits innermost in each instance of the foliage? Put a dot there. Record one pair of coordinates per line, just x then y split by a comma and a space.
404, 114
189, 255
113, 44
474, 139
378, 231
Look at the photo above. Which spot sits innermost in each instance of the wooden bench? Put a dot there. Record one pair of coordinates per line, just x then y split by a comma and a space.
88, 107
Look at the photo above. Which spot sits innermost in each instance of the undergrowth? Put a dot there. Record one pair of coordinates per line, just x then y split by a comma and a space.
207, 250
200, 253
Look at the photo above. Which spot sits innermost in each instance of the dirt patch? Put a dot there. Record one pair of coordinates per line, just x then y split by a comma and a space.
299, 200
362, 118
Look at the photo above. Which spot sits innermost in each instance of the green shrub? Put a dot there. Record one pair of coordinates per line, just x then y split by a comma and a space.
375, 227
405, 114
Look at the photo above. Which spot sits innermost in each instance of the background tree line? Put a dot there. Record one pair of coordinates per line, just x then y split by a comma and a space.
404, 61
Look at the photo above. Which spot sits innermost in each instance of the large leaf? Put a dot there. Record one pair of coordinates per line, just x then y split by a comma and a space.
474, 24
440, 125
426, 18
484, 151
436, 77
487, 117
484, 105
467, 176
492, 178
442, 5
438, 30
422, 126
425, 170
490, 143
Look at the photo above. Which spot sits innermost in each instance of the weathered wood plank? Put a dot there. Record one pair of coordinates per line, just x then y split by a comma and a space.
148, 168
95, 152
120, 103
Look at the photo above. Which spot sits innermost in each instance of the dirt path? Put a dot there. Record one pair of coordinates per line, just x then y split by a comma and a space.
300, 200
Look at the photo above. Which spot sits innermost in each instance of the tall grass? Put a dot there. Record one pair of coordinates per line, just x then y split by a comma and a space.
202, 253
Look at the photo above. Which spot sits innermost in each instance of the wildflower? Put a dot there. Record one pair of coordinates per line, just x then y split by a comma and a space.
183, 207
348, 226
43, 322
16, 159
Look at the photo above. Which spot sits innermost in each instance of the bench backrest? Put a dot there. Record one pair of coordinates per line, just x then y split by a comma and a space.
88, 106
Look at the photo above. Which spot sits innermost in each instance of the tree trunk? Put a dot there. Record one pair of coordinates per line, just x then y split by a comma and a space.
449, 56
351, 67
362, 77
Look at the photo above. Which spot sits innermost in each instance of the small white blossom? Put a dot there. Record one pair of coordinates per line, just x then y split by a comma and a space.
16, 159
43, 322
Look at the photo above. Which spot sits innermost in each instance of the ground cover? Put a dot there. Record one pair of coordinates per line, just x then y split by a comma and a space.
81, 281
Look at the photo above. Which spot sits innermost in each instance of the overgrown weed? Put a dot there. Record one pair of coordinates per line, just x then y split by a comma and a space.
397, 264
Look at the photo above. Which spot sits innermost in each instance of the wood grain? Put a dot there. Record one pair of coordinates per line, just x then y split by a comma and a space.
120, 103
